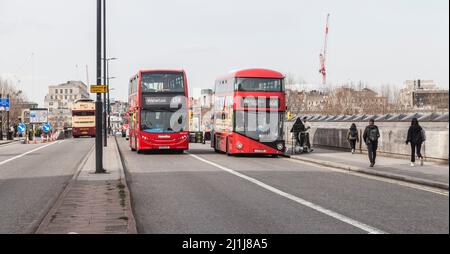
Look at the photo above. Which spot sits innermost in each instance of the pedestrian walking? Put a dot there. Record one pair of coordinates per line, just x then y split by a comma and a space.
353, 137
371, 136
416, 136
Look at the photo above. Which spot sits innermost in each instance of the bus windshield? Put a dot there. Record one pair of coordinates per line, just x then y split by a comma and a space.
162, 82
259, 125
259, 85
161, 121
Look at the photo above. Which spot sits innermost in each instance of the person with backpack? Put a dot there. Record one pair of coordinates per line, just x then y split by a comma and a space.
371, 136
353, 137
416, 136
297, 128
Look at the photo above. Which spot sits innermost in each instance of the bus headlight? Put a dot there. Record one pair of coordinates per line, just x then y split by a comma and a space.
239, 145
280, 147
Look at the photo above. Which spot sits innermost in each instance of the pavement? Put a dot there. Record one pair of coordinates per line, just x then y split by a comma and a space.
32, 177
4, 142
93, 203
431, 174
203, 192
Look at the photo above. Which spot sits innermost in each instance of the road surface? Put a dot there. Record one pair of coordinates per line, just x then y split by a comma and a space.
32, 177
208, 193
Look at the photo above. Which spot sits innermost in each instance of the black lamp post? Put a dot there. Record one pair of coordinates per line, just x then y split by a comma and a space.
98, 103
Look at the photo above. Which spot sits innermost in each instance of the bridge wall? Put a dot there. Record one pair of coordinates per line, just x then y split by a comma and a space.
391, 143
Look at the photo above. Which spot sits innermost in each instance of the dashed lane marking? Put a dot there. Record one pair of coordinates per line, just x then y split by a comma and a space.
21, 155
340, 217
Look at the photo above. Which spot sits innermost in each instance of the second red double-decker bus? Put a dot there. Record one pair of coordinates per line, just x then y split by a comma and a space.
249, 113
158, 111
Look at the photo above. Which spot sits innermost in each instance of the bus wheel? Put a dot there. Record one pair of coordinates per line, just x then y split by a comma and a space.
215, 146
227, 148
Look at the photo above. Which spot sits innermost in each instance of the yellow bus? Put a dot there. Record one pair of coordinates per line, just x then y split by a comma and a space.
83, 118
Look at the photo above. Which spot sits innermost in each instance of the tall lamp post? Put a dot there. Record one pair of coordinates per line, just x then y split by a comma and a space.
98, 103
105, 111
107, 78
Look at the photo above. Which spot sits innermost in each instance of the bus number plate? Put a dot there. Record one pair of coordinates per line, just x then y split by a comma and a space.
164, 147
259, 151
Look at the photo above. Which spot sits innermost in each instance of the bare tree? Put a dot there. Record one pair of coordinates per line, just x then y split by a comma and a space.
16, 100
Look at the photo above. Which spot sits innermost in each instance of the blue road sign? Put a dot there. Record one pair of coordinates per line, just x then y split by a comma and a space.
21, 128
4, 104
46, 128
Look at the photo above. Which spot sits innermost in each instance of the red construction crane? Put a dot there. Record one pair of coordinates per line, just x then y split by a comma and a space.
323, 55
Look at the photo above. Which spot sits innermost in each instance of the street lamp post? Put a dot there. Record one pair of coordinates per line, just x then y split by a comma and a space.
107, 78
105, 111
98, 103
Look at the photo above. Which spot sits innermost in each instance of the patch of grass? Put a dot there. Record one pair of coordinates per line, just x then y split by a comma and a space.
121, 186
123, 218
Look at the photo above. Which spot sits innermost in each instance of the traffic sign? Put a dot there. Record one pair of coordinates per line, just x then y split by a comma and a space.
99, 89
4, 104
46, 128
21, 128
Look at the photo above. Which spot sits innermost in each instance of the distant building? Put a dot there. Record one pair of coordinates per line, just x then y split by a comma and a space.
28, 105
345, 100
342, 100
422, 95
59, 101
119, 107
206, 98
118, 111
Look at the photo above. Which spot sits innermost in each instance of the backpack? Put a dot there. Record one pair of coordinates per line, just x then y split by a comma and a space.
422, 133
373, 134
353, 133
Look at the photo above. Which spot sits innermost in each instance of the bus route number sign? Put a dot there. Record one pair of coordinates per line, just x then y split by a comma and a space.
99, 89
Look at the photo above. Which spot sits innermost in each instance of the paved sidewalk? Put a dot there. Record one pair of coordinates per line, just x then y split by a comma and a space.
4, 142
431, 174
94, 203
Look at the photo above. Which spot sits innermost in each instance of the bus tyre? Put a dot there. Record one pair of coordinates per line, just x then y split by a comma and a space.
214, 144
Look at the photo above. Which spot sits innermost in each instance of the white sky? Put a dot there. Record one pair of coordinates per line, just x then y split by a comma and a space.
377, 41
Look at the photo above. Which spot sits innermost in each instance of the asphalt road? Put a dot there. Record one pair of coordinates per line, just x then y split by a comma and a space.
32, 177
204, 192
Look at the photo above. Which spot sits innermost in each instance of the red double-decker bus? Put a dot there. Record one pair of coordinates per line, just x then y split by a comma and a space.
249, 113
158, 111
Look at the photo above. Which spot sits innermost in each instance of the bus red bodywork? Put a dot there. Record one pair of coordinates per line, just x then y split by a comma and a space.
149, 113
233, 114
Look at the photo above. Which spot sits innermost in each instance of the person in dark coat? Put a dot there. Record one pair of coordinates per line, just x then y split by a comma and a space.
415, 138
371, 136
297, 128
353, 137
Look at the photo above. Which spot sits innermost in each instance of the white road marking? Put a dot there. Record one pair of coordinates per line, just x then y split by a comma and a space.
340, 217
376, 178
21, 155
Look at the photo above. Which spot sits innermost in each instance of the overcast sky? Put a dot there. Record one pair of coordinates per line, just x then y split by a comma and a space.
48, 42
